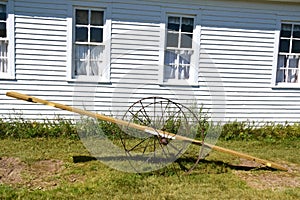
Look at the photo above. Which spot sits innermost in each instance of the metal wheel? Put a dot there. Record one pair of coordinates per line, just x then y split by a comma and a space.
150, 151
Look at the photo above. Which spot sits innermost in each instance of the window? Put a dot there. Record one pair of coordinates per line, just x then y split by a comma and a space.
89, 44
289, 53
179, 49
4, 70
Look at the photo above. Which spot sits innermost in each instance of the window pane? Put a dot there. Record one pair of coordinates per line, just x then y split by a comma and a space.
282, 61
96, 35
170, 57
184, 66
172, 40
280, 76
187, 25
97, 53
169, 72
80, 68
184, 59
81, 34
292, 76
81, 59
3, 16
296, 46
286, 30
2, 29
284, 46
94, 68
186, 41
3, 60
293, 62
2, 12
2, 8
82, 17
183, 72
296, 32
81, 52
173, 23
170, 68
97, 18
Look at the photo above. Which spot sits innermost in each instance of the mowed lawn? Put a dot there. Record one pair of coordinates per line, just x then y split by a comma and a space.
49, 168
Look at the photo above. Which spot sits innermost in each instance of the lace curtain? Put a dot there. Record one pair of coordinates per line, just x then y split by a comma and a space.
88, 60
177, 64
288, 69
3, 56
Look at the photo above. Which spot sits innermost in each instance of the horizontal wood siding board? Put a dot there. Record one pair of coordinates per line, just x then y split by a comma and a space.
40, 8
147, 27
132, 47
50, 48
60, 52
238, 33
236, 43
27, 19
235, 47
40, 37
137, 52
237, 39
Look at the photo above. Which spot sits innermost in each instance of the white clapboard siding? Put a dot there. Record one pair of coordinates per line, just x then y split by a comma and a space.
135, 44
237, 45
235, 64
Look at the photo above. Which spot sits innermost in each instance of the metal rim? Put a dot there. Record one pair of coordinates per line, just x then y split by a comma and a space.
152, 151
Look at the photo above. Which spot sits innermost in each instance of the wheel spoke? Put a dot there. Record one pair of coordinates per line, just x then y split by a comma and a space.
159, 114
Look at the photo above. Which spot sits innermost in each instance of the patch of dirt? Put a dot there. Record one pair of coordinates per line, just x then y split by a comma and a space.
11, 170
39, 175
268, 179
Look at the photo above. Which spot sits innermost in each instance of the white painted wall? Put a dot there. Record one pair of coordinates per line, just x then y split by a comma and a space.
236, 71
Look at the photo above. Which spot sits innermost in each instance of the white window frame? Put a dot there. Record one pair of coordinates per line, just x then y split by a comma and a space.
275, 84
105, 78
10, 21
194, 62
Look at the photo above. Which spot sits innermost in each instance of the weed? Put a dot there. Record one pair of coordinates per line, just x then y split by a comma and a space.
268, 131
21, 128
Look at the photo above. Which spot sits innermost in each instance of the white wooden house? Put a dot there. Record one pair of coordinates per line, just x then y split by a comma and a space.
240, 59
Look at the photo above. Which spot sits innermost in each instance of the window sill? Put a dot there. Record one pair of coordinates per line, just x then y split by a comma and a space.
89, 79
179, 83
7, 77
287, 86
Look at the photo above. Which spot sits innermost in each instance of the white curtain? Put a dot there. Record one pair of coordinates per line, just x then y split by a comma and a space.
293, 70
96, 60
188, 21
184, 66
280, 69
177, 69
81, 59
287, 69
3, 56
88, 60
174, 20
170, 68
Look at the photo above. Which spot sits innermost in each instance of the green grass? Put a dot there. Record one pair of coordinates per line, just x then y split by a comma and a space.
215, 178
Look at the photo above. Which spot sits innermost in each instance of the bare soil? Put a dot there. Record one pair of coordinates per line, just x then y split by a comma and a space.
268, 179
39, 175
